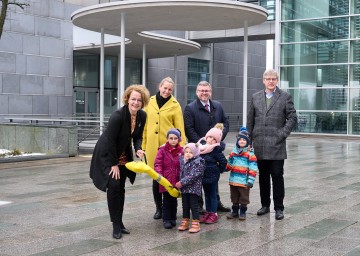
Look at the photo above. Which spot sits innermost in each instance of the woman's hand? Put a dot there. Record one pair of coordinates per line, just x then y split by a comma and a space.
140, 153
115, 172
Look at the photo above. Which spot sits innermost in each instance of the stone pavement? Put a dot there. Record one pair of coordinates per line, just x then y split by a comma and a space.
54, 209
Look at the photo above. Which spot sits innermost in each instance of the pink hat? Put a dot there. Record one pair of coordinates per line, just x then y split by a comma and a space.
215, 133
194, 148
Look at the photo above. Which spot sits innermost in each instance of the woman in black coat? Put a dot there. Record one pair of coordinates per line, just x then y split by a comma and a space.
113, 150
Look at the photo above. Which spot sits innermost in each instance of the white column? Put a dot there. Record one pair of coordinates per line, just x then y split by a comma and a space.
144, 66
175, 76
245, 72
277, 35
122, 60
102, 82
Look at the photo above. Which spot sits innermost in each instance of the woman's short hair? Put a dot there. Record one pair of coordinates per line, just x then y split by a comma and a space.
145, 94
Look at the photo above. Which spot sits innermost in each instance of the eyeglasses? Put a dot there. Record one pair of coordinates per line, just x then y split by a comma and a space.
203, 91
270, 79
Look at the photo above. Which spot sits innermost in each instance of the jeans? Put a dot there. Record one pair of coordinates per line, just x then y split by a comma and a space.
211, 200
275, 170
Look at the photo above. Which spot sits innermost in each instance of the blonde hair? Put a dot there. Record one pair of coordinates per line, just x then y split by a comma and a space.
167, 79
145, 94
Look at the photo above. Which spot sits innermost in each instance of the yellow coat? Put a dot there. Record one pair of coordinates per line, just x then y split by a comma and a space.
158, 123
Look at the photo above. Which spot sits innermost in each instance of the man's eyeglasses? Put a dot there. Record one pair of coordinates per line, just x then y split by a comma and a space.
270, 79
203, 91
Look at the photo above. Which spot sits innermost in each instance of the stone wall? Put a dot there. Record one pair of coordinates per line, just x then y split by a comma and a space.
39, 138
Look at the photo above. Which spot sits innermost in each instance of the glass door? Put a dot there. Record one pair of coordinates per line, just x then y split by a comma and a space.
86, 101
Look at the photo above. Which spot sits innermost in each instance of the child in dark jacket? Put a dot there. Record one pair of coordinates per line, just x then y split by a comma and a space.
192, 168
167, 164
242, 163
212, 153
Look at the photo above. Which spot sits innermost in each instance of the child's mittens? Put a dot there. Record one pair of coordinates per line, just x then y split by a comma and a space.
249, 185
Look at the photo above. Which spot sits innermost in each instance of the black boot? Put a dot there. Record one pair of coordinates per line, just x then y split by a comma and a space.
157, 200
243, 210
117, 230
234, 213
221, 207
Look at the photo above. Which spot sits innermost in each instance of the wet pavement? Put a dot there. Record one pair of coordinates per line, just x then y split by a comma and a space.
50, 207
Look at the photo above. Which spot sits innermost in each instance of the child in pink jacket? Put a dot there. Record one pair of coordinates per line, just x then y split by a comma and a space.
167, 164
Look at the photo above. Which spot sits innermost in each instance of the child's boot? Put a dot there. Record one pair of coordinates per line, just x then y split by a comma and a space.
234, 213
243, 210
204, 218
195, 226
213, 218
184, 224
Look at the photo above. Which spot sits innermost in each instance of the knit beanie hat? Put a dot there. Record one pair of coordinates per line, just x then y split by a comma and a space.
215, 133
194, 148
243, 133
174, 131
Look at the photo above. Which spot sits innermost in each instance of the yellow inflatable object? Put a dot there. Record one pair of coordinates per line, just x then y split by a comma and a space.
141, 167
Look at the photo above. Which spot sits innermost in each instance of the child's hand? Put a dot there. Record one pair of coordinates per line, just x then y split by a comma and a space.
249, 185
178, 184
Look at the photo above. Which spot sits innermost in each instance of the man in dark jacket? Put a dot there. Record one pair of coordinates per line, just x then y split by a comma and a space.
270, 120
200, 116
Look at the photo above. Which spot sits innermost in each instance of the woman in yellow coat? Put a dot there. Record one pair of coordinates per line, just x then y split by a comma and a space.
163, 113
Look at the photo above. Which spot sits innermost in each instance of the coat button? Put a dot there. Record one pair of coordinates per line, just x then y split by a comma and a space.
156, 132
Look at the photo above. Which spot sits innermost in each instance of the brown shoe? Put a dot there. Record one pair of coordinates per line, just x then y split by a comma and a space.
184, 224
195, 226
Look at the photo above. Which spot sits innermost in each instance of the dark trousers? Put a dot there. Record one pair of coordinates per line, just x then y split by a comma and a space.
275, 170
169, 207
190, 202
157, 195
211, 200
116, 197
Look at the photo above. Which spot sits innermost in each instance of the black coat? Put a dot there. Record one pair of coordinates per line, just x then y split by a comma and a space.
113, 142
198, 121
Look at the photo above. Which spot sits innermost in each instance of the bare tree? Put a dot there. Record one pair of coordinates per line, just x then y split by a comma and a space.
4, 8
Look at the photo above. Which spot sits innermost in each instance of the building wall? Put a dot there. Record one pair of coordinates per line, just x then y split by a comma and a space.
36, 60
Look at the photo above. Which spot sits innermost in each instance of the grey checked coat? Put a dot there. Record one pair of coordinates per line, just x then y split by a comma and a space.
269, 128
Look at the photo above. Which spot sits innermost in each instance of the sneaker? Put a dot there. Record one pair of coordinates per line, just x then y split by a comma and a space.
205, 217
213, 218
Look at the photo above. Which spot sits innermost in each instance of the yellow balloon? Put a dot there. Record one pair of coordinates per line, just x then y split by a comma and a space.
141, 167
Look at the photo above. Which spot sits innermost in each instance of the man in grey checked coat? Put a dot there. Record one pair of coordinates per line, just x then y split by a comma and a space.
270, 120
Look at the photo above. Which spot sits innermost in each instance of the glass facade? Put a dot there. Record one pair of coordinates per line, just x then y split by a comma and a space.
198, 70
320, 63
87, 82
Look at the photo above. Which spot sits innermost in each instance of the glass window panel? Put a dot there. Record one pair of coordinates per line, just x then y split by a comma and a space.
291, 10
86, 70
110, 72
354, 123
322, 122
198, 70
355, 99
315, 30
314, 53
355, 27
314, 76
355, 75
355, 51
320, 99
355, 7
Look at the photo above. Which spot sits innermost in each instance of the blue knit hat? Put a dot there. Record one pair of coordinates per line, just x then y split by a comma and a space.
243, 133
174, 131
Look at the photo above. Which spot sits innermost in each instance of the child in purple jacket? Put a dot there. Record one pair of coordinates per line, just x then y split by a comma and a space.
167, 164
192, 168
